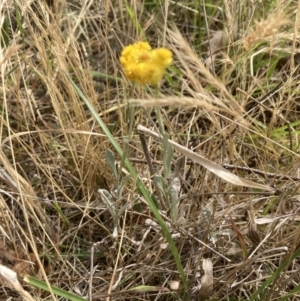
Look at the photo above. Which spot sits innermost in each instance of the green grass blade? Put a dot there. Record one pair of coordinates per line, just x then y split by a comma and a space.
132, 17
55, 290
4, 33
291, 293
273, 277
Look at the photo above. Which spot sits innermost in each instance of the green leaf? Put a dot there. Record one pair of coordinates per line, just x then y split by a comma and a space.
4, 33
54, 289
167, 155
133, 17
111, 160
174, 195
19, 20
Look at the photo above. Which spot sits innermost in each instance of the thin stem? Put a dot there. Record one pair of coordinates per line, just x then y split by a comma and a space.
158, 114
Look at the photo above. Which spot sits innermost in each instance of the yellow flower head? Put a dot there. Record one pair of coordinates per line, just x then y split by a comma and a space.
145, 65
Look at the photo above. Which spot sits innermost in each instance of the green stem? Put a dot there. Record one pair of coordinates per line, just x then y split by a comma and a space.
160, 121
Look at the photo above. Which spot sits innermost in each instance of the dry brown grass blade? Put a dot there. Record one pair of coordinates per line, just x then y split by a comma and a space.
211, 166
216, 43
264, 29
202, 101
252, 232
240, 236
141, 289
11, 279
207, 280
26, 192
9, 53
189, 59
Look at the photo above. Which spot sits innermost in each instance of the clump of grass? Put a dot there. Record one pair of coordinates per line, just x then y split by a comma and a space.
264, 29
67, 134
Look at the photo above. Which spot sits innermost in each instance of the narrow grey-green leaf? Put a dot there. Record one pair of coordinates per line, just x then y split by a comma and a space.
159, 183
107, 199
174, 195
167, 155
111, 160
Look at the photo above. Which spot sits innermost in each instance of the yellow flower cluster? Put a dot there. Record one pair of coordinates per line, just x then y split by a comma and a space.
145, 65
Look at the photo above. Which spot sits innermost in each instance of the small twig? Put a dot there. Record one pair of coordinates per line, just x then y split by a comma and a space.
146, 153
269, 94
150, 165
143, 161
260, 172
9, 72
290, 134
91, 272
265, 193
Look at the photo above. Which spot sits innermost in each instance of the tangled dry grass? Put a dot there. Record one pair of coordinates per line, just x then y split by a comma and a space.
71, 213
